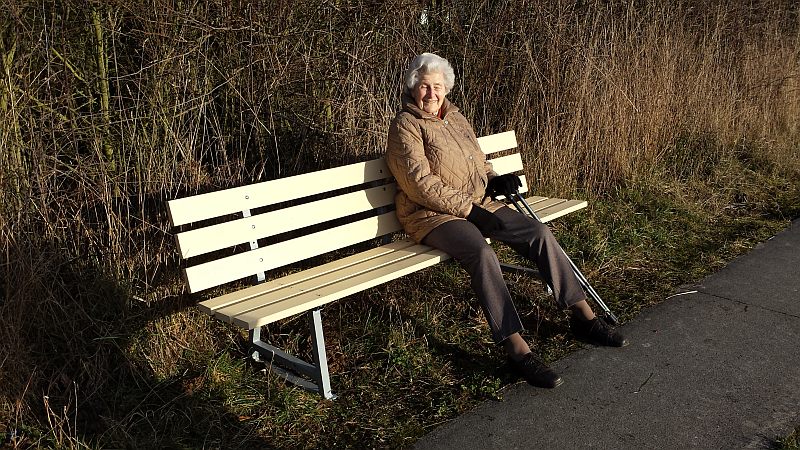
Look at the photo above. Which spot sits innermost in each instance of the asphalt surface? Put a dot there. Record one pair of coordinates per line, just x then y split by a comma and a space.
716, 366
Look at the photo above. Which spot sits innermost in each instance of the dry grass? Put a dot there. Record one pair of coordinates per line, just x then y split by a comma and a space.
684, 109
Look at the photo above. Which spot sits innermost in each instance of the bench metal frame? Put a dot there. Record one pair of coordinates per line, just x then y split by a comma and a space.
317, 372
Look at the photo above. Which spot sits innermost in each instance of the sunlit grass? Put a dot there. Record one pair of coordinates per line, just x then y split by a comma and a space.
790, 442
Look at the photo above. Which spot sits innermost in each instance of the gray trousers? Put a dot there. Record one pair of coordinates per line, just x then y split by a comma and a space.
533, 240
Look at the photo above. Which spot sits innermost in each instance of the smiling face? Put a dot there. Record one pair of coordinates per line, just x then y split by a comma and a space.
429, 92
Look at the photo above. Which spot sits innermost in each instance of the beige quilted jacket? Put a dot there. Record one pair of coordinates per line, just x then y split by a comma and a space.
440, 169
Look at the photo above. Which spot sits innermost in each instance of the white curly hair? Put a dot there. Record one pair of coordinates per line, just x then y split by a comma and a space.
427, 63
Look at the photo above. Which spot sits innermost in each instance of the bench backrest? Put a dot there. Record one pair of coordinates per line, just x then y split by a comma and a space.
306, 215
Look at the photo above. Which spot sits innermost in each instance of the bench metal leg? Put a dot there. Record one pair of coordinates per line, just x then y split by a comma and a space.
322, 376
290, 367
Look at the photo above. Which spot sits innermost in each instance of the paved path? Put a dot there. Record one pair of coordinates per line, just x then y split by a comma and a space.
716, 367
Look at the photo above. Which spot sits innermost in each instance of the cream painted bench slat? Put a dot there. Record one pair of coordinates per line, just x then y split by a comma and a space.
310, 215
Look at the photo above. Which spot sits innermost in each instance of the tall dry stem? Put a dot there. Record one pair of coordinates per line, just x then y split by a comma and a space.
102, 73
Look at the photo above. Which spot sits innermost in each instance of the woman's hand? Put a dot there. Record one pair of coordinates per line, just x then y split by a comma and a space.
485, 220
503, 184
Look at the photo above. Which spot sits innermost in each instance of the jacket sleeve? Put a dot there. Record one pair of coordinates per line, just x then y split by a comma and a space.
405, 156
487, 166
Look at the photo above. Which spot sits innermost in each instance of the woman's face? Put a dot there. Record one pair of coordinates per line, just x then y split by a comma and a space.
429, 92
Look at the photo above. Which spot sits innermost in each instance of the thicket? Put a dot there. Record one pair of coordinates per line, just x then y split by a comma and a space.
108, 109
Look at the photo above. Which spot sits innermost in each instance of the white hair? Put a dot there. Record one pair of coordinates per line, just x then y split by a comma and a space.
427, 63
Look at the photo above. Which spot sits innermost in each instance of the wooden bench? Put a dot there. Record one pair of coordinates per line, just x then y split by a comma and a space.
225, 236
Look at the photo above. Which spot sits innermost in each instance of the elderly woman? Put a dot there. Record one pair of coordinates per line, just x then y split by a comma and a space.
444, 201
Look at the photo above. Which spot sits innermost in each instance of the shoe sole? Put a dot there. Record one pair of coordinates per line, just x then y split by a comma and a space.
558, 382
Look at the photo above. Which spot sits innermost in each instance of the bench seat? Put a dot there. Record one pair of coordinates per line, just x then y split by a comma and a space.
299, 292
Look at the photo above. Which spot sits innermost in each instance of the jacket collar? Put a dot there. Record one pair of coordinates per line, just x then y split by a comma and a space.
410, 105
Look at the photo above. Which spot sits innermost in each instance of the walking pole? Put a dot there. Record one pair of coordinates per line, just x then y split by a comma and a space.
516, 199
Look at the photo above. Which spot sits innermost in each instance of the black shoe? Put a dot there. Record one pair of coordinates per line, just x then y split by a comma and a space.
597, 332
536, 372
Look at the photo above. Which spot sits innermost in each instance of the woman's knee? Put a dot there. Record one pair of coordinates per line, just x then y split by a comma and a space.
479, 256
541, 231
484, 252
461, 240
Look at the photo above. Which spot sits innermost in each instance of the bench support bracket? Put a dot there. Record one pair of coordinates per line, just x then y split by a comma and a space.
260, 276
291, 367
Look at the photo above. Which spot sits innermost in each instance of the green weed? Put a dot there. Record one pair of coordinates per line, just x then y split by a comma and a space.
790, 442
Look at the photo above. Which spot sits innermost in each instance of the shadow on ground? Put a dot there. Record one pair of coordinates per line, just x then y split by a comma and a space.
68, 374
